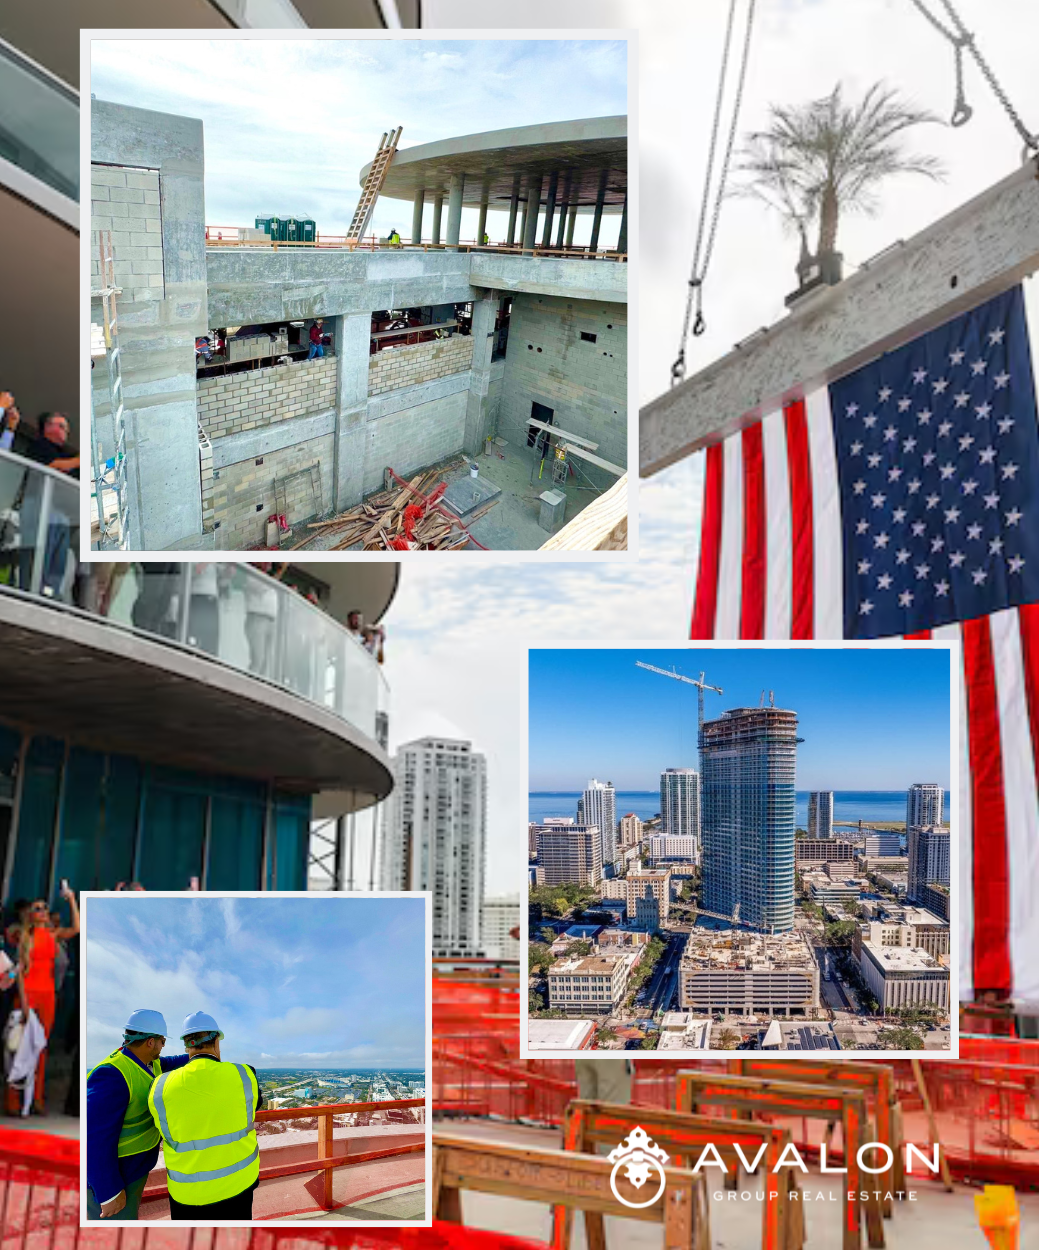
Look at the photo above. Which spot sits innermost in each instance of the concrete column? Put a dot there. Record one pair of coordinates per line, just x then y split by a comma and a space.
550, 208
564, 205
600, 199
481, 225
622, 238
513, 206
438, 208
530, 220
352, 340
454, 211
416, 217
477, 410
570, 226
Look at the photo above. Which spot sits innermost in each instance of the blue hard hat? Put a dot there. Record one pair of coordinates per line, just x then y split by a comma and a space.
144, 1020
199, 1022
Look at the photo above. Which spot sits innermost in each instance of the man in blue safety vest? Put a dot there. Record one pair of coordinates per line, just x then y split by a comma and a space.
204, 1111
122, 1140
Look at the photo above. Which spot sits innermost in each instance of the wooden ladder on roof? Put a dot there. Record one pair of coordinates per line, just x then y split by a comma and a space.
373, 185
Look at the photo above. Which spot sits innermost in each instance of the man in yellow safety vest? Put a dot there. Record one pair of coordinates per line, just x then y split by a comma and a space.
122, 1140
204, 1112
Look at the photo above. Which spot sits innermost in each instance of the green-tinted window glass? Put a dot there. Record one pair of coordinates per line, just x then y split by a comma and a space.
10, 745
236, 838
36, 816
82, 828
292, 840
122, 803
172, 829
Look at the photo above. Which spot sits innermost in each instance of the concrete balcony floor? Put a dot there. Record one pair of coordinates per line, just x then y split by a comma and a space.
935, 1221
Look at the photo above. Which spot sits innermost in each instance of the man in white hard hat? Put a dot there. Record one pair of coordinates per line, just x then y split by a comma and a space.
122, 1140
204, 1112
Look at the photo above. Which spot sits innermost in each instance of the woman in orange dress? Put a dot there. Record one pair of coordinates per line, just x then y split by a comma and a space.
37, 950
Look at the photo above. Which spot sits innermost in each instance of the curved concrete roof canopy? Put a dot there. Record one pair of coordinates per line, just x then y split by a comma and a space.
492, 161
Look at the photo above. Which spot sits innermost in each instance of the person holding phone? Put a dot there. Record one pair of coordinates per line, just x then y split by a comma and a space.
9, 418
37, 952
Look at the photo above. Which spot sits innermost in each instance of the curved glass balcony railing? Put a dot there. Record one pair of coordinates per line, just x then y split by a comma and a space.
39, 122
230, 612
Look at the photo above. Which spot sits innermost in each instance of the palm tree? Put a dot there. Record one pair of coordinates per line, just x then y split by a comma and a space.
825, 158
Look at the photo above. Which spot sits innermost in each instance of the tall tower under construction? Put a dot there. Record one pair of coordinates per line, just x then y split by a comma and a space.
747, 761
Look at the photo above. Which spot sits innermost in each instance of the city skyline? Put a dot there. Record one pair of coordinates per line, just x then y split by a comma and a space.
261, 968
872, 718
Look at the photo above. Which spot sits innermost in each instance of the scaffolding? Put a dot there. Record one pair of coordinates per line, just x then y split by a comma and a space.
109, 496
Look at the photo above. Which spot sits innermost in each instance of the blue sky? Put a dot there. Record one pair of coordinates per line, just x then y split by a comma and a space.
291, 982
289, 123
871, 720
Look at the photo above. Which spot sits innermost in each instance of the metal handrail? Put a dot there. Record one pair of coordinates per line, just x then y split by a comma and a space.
335, 652
372, 244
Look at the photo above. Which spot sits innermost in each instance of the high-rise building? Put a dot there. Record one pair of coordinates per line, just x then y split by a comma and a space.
924, 804
631, 829
599, 804
748, 759
569, 853
680, 802
928, 859
648, 897
820, 814
499, 916
883, 845
436, 836
680, 848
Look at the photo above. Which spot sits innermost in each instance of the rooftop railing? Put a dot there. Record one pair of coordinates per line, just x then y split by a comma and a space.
227, 236
232, 613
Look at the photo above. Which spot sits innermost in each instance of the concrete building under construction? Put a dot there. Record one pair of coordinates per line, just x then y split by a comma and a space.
438, 354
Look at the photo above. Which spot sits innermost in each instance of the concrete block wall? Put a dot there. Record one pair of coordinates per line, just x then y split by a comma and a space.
125, 201
234, 402
396, 367
410, 440
584, 383
230, 502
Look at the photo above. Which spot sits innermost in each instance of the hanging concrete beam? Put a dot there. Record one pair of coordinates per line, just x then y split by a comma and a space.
454, 211
530, 220
438, 208
481, 224
564, 207
416, 216
600, 200
550, 208
510, 238
981, 248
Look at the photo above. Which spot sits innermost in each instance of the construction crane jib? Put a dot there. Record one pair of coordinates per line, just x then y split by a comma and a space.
699, 683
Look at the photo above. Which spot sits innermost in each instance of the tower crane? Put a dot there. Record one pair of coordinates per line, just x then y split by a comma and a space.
700, 684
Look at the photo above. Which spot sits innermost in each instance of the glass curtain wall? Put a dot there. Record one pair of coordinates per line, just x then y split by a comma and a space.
97, 819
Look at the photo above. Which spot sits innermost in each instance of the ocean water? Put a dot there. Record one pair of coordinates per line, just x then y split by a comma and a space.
865, 805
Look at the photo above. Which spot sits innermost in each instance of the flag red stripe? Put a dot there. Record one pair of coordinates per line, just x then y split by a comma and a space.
706, 602
988, 814
1028, 624
752, 595
920, 633
802, 604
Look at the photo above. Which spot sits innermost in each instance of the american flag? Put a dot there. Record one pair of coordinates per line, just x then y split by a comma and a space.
903, 501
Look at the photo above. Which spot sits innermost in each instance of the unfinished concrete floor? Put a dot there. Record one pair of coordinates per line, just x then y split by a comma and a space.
934, 1221
512, 525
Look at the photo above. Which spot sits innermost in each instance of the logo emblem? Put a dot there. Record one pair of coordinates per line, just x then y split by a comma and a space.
640, 1157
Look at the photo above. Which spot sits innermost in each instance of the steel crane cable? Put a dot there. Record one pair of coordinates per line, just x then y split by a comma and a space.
961, 38
705, 234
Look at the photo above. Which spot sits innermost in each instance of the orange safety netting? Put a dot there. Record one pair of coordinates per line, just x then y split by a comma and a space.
985, 1104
